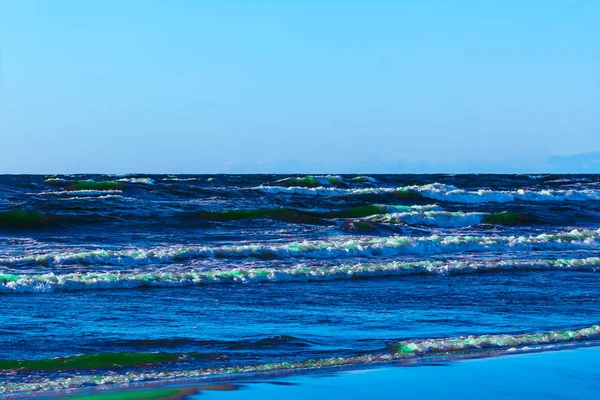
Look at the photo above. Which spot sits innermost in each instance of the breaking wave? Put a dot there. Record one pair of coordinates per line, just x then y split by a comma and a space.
327, 248
451, 348
52, 282
447, 193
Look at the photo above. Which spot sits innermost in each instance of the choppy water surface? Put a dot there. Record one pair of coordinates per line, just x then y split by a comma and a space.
112, 279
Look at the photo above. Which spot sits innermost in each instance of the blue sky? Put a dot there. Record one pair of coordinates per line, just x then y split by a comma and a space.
299, 86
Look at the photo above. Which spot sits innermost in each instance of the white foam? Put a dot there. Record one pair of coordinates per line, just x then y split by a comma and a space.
431, 218
343, 246
78, 192
451, 193
321, 190
497, 344
441, 192
146, 181
52, 282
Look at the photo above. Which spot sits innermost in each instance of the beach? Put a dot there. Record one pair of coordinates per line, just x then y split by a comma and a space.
237, 200
139, 281
567, 374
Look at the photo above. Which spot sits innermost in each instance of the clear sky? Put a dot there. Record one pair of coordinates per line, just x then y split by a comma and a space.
299, 86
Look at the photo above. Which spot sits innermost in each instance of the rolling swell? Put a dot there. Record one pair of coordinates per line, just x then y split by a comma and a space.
327, 248
94, 361
445, 193
441, 256
312, 181
273, 342
29, 219
429, 347
428, 215
91, 185
453, 219
22, 218
51, 282
283, 213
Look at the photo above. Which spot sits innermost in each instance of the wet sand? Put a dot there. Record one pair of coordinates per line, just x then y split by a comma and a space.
172, 393
567, 374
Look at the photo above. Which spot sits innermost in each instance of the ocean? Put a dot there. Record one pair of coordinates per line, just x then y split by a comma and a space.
108, 281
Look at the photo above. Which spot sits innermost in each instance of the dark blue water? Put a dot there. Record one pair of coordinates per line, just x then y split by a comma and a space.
241, 271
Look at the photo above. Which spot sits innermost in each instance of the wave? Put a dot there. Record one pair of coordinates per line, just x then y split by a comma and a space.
108, 196
279, 341
377, 209
21, 218
32, 219
92, 185
303, 215
283, 214
28, 219
146, 181
431, 218
446, 193
428, 347
56, 181
364, 179
51, 282
451, 193
389, 214
396, 193
314, 181
450, 219
73, 185
507, 218
329, 248
87, 192
177, 179
319, 190
90, 361
446, 348
268, 342
334, 247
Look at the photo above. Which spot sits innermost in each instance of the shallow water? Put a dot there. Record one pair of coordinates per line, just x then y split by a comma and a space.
144, 278
561, 375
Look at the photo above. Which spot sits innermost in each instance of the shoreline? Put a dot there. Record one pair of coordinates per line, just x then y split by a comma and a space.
568, 374
158, 393
183, 387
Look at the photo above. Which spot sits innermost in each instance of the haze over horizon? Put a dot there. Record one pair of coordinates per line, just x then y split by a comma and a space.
299, 87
